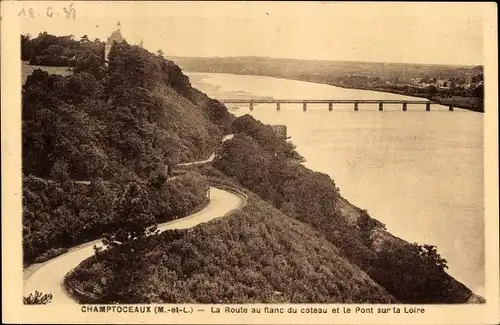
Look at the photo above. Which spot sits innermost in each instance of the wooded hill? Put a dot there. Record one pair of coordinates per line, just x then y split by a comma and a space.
110, 126
122, 126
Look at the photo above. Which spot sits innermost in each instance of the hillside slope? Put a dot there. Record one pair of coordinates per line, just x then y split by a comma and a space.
255, 255
109, 126
270, 168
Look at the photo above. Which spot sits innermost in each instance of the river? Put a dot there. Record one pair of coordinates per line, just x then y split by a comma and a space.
420, 173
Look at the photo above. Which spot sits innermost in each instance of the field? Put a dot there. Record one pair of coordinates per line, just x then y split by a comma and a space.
27, 70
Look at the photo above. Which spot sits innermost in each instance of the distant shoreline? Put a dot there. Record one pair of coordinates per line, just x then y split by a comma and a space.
457, 103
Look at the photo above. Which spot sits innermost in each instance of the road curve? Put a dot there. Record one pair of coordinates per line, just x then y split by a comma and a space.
209, 159
49, 277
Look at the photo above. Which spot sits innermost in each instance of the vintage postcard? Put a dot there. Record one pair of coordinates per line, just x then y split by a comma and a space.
249, 162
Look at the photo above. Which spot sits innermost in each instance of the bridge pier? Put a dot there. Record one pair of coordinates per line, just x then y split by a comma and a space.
278, 106
404, 107
304, 106
450, 107
251, 105
428, 106
330, 106
355, 106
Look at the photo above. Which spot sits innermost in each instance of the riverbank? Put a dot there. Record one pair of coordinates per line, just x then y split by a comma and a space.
400, 167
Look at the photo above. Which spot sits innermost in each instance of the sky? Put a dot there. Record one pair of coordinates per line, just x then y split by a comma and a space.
440, 33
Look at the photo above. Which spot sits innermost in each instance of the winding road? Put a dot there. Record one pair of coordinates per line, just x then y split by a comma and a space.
49, 276
212, 156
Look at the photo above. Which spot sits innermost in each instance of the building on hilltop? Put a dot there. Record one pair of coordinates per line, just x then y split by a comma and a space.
117, 37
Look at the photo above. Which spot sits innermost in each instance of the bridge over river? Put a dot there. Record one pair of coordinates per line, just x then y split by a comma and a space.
330, 102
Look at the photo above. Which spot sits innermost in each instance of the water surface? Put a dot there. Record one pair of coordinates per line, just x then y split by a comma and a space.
421, 173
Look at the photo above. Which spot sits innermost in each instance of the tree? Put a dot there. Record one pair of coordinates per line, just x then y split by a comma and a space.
132, 212
160, 53
26, 47
84, 39
477, 78
429, 252
89, 62
431, 90
218, 114
478, 91
59, 171
54, 50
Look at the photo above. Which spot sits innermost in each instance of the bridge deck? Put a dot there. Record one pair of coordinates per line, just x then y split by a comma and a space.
322, 101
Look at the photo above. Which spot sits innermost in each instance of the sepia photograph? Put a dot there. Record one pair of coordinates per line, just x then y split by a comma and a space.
254, 158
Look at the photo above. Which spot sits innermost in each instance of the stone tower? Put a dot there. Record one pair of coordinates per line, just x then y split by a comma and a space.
117, 37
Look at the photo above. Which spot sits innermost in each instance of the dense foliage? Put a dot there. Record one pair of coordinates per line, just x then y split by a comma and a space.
37, 298
50, 50
415, 274
132, 214
256, 255
76, 122
312, 197
58, 215
109, 126
266, 137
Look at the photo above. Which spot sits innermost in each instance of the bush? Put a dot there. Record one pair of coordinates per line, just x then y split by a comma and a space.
131, 215
409, 274
37, 298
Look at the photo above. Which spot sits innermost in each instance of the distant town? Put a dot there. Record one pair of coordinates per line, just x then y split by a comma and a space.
460, 86
470, 85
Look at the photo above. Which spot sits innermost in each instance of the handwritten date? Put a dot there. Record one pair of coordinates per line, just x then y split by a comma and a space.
68, 12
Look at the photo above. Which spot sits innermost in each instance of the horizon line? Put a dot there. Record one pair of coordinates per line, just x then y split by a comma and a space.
321, 60
285, 58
